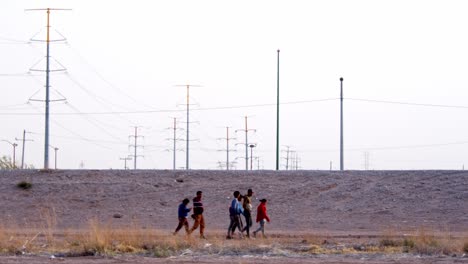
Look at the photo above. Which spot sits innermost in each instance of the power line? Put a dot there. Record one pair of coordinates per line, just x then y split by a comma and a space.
251, 106
177, 110
407, 103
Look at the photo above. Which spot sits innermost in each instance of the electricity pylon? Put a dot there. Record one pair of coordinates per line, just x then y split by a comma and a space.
125, 161
246, 130
135, 146
174, 140
47, 97
227, 138
187, 162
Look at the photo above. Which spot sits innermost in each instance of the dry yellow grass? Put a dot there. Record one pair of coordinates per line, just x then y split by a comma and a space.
103, 239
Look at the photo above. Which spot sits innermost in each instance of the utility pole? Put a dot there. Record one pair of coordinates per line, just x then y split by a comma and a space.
341, 126
277, 113
366, 160
187, 156
246, 130
24, 145
287, 156
175, 145
47, 96
14, 145
174, 140
294, 160
135, 146
125, 162
227, 138
55, 155
331, 165
251, 154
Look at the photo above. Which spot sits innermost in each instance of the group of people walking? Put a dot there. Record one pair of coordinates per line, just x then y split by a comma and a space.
240, 205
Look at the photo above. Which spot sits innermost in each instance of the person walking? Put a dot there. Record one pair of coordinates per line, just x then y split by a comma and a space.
235, 210
198, 214
183, 214
262, 217
247, 205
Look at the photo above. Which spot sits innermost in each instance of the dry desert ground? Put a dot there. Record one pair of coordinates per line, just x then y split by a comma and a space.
85, 216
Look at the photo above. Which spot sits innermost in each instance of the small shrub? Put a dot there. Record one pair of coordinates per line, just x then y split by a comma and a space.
465, 247
389, 243
24, 185
408, 243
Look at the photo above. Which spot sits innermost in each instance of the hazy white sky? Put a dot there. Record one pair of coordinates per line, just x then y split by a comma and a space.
125, 58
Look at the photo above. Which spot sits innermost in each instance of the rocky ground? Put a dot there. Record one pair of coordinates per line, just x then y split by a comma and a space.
356, 203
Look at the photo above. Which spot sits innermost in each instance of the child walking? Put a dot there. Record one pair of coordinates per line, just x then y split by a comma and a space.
262, 217
183, 214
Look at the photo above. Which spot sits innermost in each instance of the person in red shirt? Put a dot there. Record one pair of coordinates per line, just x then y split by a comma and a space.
262, 217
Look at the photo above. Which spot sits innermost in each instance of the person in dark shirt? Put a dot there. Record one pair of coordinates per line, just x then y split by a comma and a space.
247, 204
198, 214
183, 214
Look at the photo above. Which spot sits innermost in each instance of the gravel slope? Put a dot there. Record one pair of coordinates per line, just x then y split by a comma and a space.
315, 201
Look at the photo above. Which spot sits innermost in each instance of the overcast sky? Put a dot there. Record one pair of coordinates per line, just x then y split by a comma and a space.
404, 65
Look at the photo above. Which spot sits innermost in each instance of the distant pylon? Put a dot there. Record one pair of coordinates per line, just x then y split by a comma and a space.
228, 139
187, 156
135, 146
246, 130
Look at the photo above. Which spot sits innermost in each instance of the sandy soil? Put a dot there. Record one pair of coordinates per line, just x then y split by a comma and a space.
333, 259
357, 203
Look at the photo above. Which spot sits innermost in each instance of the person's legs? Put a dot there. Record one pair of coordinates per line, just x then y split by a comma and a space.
196, 223
202, 226
231, 225
235, 225
260, 228
186, 225
262, 225
248, 222
181, 223
241, 223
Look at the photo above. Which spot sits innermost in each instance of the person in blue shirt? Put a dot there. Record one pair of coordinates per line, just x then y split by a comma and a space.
183, 214
235, 212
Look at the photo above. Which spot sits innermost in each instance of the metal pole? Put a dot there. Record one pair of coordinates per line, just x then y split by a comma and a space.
22, 154
55, 150
135, 154
187, 142
341, 126
251, 156
227, 148
246, 146
174, 152
14, 155
277, 114
46, 141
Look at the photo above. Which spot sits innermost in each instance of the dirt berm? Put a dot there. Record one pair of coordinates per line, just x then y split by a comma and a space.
313, 201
